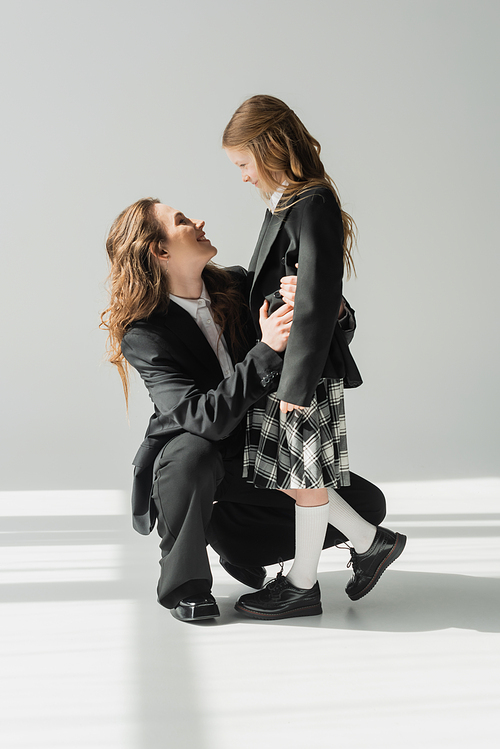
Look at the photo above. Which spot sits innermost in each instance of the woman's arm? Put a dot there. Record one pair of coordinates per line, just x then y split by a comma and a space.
213, 414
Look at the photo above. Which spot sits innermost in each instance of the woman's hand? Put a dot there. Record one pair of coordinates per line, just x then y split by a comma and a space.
288, 287
276, 328
285, 407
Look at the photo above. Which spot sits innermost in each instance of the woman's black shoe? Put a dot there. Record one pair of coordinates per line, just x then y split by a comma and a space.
281, 600
387, 546
196, 608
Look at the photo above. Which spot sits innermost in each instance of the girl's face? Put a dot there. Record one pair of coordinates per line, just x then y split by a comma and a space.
246, 163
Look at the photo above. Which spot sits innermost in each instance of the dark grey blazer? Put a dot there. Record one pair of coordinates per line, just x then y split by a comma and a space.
185, 383
308, 232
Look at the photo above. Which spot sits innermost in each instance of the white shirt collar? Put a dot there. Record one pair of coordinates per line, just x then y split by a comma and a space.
276, 197
192, 305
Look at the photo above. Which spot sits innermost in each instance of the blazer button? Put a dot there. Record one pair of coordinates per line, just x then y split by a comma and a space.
282, 261
277, 295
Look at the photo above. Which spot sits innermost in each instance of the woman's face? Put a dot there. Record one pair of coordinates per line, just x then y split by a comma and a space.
246, 163
186, 247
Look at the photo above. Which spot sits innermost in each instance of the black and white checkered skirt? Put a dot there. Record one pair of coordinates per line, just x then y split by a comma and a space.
301, 449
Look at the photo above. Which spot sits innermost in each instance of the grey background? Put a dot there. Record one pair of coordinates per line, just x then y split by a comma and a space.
108, 101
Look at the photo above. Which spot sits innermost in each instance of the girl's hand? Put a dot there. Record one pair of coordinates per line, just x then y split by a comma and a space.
276, 328
285, 407
288, 287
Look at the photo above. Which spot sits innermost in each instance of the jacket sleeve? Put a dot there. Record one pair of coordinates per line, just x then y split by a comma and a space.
348, 321
318, 297
214, 414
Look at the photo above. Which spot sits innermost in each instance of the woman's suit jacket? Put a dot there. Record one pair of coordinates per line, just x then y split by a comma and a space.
308, 232
185, 383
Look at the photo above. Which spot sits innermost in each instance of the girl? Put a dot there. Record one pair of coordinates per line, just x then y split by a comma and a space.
296, 438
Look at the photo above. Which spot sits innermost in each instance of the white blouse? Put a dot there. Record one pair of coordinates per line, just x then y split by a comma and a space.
200, 311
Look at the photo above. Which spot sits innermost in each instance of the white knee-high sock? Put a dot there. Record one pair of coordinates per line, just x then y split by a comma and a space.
310, 530
358, 530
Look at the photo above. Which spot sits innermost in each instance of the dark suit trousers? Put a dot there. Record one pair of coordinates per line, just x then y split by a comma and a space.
247, 526
186, 474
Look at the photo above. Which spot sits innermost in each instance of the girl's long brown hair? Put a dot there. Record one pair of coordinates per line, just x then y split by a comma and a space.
280, 144
138, 287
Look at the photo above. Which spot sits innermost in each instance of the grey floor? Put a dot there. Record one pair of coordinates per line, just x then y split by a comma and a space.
90, 660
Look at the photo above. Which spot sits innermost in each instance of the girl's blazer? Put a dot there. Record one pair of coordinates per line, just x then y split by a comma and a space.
185, 383
308, 232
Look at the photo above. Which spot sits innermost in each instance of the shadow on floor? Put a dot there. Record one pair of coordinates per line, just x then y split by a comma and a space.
401, 602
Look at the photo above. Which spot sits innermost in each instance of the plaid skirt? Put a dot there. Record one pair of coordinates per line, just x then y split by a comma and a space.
301, 449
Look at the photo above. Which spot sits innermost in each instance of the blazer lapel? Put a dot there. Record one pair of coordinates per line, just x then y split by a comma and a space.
270, 228
263, 231
180, 322
267, 236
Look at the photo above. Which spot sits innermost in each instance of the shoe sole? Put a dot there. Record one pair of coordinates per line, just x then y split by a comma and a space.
394, 553
303, 611
199, 618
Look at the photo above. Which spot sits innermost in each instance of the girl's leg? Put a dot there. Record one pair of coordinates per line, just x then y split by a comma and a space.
298, 593
314, 509
374, 548
311, 520
358, 530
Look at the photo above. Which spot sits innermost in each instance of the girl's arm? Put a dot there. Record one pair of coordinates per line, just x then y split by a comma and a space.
319, 234
347, 319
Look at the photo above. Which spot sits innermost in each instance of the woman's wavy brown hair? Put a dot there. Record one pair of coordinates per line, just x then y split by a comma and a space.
280, 144
138, 287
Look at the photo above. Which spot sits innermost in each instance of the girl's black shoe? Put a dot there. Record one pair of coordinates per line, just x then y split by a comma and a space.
368, 567
279, 599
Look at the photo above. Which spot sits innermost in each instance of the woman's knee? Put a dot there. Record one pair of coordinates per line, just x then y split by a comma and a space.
191, 454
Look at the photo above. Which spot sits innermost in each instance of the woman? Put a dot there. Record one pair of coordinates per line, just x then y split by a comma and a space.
180, 321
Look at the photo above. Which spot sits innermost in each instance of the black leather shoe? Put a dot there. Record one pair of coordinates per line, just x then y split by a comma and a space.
195, 608
387, 546
281, 600
254, 577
